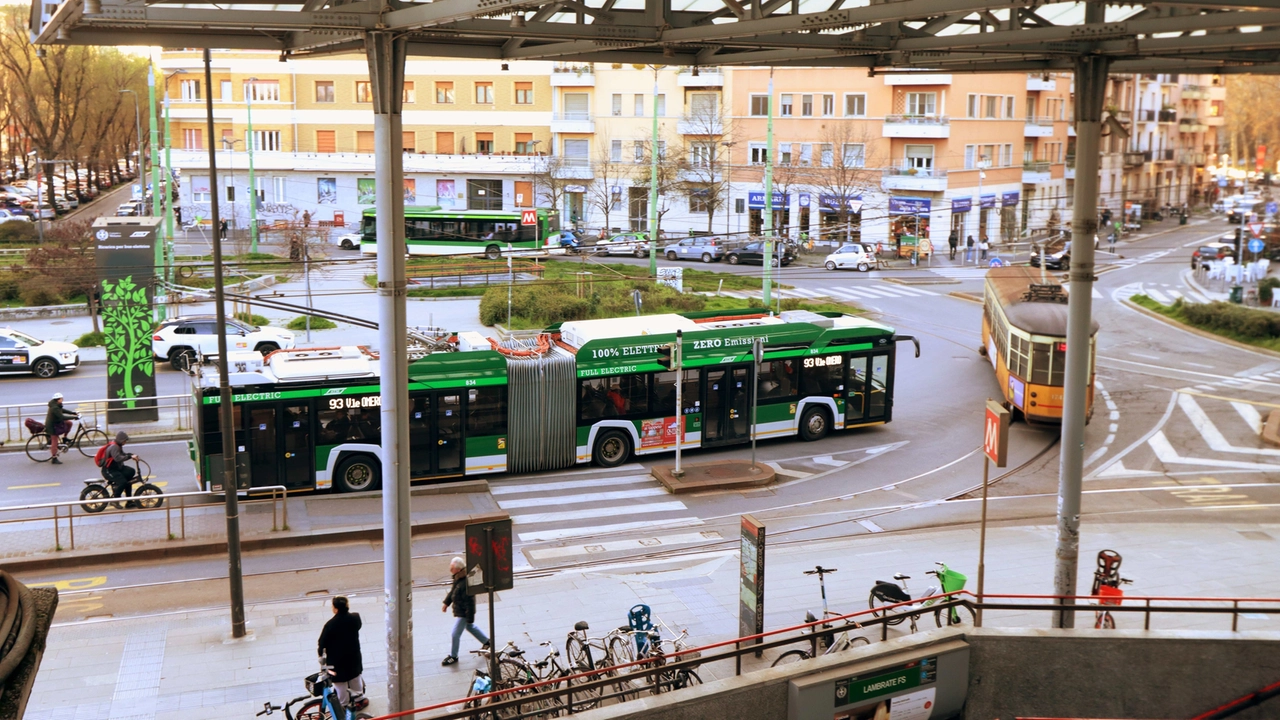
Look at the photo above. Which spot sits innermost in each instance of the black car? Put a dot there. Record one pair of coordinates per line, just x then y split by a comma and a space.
753, 254
1240, 212
1214, 251
1060, 260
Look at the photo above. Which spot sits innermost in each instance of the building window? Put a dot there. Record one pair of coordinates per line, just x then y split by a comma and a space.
200, 188
266, 140
189, 89
576, 153
699, 200
277, 189
524, 93
444, 143
828, 105
638, 150
806, 154
364, 91
827, 154
524, 143
989, 107
262, 90
191, 139
662, 105
759, 154
638, 102
700, 154
326, 141
231, 191
228, 139
577, 106
922, 103
1008, 106
855, 155
759, 105
704, 106
855, 105
224, 88
919, 158
444, 93
408, 141
615, 149
1006, 154
784, 153
785, 105
806, 106
484, 93
364, 141
324, 91
484, 143
408, 94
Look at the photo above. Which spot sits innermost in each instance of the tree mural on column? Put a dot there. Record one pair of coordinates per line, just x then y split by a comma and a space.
127, 328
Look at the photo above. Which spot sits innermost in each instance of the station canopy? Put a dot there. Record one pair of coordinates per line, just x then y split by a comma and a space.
1169, 36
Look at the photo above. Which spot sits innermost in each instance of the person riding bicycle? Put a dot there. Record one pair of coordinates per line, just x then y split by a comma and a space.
115, 469
58, 423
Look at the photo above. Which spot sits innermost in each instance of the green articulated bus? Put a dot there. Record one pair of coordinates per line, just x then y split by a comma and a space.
433, 230
583, 391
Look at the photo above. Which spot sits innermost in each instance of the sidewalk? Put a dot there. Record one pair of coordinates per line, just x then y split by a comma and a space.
182, 666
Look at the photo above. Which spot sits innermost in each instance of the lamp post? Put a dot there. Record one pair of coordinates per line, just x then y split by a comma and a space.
168, 195
534, 200
229, 144
767, 285
155, 151
728, 215
253, 188
982, 209
137, 128
39, 211
653, 183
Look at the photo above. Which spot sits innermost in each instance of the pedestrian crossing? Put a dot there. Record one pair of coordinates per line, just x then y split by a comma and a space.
352, 271
961, 273
869, 290
1163, 293
1131, 262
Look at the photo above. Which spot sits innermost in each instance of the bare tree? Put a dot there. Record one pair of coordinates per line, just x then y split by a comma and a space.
608, 174
844, 169
669, 176
551, 178
703, 176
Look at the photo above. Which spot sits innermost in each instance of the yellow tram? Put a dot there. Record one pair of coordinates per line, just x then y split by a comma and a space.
1024, 333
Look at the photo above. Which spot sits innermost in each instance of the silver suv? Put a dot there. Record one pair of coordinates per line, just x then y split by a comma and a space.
706, 249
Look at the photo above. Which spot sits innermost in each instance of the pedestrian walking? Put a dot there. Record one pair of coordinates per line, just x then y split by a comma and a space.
306, 218
339, 649
983, 246
222, 230
464, 610
953, 241
968, 249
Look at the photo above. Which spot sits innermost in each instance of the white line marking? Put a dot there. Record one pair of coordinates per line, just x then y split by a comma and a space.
879, 295
583, 498
1166, 454
619, 510
629, 467
870, 526
1174, 294
1217, 441
568, 485
1096, 295
1251, 416
562, 533
789, 473
850, 294
616, 545
828, 460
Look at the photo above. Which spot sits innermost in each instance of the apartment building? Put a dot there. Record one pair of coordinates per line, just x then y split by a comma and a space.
472, 134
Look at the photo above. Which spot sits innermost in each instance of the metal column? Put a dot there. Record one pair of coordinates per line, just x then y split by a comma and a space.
386, 55
1091, 84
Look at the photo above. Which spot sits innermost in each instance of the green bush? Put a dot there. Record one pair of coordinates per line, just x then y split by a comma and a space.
1233, 319
317, 323
17, 232
36, 291
1265, 287
534, 306
259, 320
91, 339
10, 283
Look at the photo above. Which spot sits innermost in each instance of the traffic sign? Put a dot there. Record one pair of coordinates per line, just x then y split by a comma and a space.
995, 434
1256, 245
489, 561
1272, 207
529, 217
1255, 229
997, 262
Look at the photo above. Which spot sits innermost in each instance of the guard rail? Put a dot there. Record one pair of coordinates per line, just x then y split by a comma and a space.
92, 411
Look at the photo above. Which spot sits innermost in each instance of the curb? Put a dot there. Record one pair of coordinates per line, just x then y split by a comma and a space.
1271, 430
370, 533
965, 296
1202, 333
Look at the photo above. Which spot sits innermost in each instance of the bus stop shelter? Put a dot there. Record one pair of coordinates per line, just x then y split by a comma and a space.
1090, 39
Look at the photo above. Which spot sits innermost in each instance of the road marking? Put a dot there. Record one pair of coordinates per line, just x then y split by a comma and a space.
1251, 416
828, 460
621, 545
1210, 432
568, 485
73, 584
870, 526
37, 485
582, 498
789, 473
586, 514
563, 533
1166, 454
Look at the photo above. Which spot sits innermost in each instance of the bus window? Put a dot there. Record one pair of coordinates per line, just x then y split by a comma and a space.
1019, 361
879, 383
369, 226
777, 380
856, 398
822, 375
1041, 357
613, 397
486, 411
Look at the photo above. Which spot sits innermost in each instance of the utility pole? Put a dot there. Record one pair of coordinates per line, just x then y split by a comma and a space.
766, 290
653, 183
168, 195
253, 187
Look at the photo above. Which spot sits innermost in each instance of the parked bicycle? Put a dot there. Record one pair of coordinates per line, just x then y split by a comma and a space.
648, 644
821, 639
98, 494
317, 704
886, 593
1106, 587
87, 439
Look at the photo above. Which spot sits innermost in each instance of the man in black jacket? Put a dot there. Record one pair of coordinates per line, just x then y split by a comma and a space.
464, 609
57, 423
340, 647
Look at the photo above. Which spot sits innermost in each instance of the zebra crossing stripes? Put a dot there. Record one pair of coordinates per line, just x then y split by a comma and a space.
961, 273
1131, 262
872, 290
561, 509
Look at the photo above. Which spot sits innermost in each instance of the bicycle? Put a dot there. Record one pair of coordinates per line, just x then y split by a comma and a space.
826, 640
578, 652
97, 494
886, 593
87, 440
1106, 587
315, 703
649, 647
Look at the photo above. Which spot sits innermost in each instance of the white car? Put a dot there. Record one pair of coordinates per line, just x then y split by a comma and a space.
853, 255
348, 241
628, 243
10, 215
19, 352
180, 340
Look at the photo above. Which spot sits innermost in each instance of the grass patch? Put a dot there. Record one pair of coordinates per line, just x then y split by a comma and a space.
1258, 328
252, 319
317, 323
91, 339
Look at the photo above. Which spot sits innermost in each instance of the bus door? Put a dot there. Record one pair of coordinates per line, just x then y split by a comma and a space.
262, 440
435, 434
296, 455
726, 415
279, 445
867, 389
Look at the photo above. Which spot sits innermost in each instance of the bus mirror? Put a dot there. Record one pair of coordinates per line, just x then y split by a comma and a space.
914, 341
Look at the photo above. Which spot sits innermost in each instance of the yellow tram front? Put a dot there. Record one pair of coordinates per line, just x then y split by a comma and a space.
1024, 334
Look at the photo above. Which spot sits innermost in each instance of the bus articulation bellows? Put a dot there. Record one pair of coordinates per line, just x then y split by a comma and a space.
583, 391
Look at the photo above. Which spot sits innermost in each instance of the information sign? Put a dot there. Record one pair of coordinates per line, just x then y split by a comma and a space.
672, 277
1272, 207
861, 688
528, 217
751, 596
995, 434
997, 262
1255, 229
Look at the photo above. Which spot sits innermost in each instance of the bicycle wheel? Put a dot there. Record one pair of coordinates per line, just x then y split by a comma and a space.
149, 496
622, 650
1106, 622
580, 660
313, 710
90, 440
877, 603
38, 448
91, 493
954, 617
685, 678
516, 675
791, 656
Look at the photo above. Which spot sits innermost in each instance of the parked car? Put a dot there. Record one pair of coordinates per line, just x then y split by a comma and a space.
72, 199
753, 254
41, 210
570, 240
348, 241
20, 352
7, 215
706, 249
628, 243
1214, 251
1060, 260
853, 255
178, 340
129, 209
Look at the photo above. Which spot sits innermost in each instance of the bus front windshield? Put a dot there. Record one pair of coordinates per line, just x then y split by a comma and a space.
369, 226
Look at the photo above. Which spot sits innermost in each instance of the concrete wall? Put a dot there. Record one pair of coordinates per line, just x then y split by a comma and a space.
1038, 673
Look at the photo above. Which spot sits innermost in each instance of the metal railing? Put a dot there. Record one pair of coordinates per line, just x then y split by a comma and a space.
92, 413
595, 686
1040, 120
279, 494
917, 119
573, 116
924, 172
1036, 166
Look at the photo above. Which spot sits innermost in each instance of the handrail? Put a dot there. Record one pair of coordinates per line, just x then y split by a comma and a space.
97, 410
279, 494
1242, 703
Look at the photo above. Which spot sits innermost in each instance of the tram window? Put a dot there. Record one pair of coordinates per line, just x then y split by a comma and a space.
822, 375
487, 411
613, 397
1058, 370
1019, 355
879, 382
1041, 357
856, 398
777, 379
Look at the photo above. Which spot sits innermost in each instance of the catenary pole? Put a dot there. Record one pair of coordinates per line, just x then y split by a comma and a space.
225, 418
767, 287
249, 88
1091, 82
653, 183
154, 130
168, 199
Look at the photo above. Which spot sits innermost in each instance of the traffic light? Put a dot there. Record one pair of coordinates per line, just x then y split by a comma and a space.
667, 356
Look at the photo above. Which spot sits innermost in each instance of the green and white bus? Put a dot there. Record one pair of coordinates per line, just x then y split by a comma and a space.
432, 230
583, 391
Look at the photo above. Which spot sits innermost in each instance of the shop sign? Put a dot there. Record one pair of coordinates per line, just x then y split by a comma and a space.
1009, 199
961, 205
988, 202
909, 206
756, 199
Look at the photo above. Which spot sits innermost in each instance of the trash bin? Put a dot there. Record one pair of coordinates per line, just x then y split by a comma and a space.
1237, 294
1182, 219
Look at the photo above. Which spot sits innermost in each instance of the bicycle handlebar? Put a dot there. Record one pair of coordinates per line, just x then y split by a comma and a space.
819, 570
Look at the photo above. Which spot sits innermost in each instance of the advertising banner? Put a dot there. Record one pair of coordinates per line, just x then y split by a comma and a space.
909, 206
961, 205
125, 251
751, 595
1009, 199
366, 191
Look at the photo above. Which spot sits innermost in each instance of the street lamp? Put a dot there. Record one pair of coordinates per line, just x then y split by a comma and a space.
728, 215
534, 144
39, 211
249, 89
229, 144
983, 164
168, 193
137, 127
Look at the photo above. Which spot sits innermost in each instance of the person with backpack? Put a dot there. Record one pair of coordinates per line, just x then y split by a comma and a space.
112, 459
58, 423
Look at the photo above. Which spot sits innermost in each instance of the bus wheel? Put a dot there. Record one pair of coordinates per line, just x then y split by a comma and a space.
613, 448
357, 473
493, 253
814, 423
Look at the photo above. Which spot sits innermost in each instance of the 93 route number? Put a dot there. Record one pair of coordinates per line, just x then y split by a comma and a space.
348, 403
812, 362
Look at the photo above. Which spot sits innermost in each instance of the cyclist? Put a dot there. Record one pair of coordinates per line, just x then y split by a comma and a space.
58, 423
339, 645
115, 469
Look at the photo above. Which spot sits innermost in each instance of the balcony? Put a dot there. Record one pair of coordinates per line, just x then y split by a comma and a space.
701, 77
1163, 155
1037, 82
573, 75
422, 162
572, 122
1069, 172
904, 177
1215, 121
1194, 92
910, 77
1191, 125
1136, 159
711, 124
1035, 172
1146, 115
1038, 127
1168, 115
917, 126
572, 168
